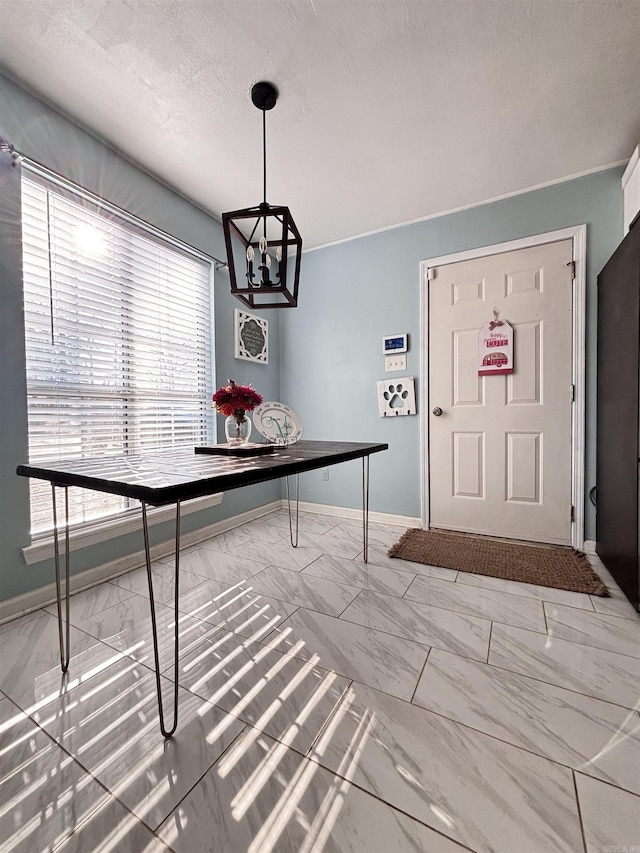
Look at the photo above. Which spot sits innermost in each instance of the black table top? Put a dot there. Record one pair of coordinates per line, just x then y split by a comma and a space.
169, 476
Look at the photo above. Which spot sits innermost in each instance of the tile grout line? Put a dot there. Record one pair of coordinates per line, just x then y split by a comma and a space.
424, 665
377, 630
523, 594
608, 783
553, 684
582, 832
632, 617
404, 599
596, 613
344, 609
489, 643
404, 594
418, 642
574, 642
540, 681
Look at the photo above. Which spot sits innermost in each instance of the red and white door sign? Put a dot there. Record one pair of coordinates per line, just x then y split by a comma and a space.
495, 349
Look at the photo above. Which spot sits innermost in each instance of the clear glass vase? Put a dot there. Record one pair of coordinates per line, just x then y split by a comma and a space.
237, 428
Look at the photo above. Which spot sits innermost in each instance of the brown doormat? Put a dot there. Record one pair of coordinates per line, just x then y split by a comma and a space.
554, 566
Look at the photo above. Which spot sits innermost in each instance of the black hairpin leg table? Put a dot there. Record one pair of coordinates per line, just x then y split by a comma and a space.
172, 477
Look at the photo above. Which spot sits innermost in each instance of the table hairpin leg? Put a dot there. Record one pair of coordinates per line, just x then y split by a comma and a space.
64, 642
365, 507
147, 553
294, 539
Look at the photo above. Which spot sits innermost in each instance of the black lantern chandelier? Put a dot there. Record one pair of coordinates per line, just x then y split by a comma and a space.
264, 247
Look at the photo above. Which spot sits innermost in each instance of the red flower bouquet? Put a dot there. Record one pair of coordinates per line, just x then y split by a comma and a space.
235, 400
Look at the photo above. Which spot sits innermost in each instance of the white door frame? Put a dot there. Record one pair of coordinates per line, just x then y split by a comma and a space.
578, 234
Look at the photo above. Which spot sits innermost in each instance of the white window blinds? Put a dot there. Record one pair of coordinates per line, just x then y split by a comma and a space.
118, 323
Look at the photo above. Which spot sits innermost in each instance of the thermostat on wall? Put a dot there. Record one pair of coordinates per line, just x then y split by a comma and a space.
394, 343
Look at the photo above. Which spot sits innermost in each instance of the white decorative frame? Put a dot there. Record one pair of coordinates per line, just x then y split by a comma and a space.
396, 397
248, 326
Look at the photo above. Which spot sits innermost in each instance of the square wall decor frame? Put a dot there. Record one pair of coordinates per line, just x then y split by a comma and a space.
251, 337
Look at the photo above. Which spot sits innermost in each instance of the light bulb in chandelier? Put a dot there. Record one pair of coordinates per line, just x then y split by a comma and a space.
250, 257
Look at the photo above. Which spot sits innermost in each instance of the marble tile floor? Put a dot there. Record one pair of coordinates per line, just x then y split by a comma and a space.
325, 705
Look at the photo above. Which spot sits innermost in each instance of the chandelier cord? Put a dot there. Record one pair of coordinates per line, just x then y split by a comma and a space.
264, 156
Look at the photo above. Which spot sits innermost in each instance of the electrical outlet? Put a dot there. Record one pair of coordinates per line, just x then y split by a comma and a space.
325, 473
395, 362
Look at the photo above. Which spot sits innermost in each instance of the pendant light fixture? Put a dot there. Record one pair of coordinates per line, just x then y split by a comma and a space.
264, 247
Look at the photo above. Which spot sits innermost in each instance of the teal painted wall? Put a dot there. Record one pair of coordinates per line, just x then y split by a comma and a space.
48, 138
353, 293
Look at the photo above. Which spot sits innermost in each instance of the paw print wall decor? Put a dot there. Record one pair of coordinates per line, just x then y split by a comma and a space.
396, 397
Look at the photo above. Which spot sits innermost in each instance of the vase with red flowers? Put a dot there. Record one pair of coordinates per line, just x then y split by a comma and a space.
235, 401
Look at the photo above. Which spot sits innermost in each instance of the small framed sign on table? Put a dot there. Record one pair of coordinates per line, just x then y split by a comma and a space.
251, 337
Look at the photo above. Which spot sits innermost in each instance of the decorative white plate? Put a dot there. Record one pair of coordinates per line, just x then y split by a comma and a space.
277, 423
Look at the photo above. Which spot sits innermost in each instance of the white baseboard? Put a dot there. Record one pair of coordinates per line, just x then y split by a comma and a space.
45, 595
101, 531
589, 546
349, 512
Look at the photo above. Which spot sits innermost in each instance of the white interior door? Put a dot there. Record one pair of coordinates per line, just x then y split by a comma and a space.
500, 452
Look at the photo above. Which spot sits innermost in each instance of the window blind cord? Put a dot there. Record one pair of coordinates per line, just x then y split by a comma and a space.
49, 265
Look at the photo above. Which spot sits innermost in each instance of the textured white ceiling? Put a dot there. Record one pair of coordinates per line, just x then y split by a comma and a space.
388, 111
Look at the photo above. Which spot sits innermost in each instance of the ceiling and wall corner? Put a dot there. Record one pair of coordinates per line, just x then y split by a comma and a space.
389, 112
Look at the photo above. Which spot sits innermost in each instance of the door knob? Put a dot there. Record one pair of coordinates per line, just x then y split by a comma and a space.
437, 411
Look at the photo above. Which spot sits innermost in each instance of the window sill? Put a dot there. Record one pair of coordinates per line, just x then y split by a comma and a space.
94, 534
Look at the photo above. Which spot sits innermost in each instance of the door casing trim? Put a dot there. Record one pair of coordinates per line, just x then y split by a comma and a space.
578, 234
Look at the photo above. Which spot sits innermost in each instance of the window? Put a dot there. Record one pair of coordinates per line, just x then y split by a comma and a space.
118, 321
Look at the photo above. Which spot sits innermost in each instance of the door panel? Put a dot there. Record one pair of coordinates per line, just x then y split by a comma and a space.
467, 385
468, 464
500, 454
524, 466
524, 386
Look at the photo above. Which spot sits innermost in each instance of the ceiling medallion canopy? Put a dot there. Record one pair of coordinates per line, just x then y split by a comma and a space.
264, 246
